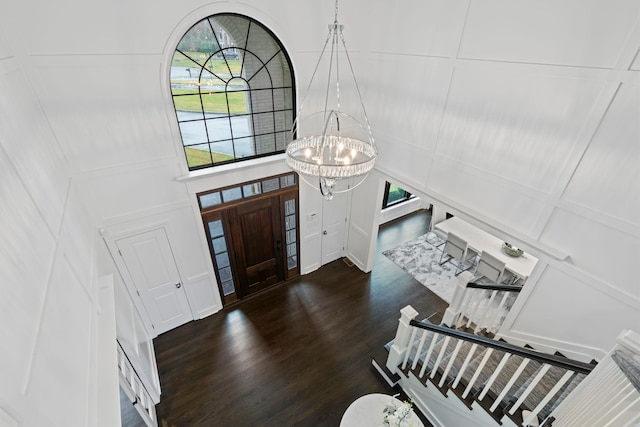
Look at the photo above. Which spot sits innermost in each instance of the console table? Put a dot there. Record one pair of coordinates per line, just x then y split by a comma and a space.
479, 240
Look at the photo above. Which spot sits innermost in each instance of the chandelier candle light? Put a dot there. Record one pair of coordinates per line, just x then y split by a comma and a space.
336, 145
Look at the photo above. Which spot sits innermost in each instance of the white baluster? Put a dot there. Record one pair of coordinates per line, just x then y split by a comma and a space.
142, 400
425, 362
419, 351
529, 389
556, 388
409, 347
597, 392
466, 307
472, 317
481, 323
476, 374
634, 422
513, 379
443, 349
591, 386
452, 359
463, 368
616, 401
496, 317
493, 376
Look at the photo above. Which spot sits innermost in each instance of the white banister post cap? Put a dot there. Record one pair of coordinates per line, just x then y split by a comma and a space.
464, 278
409, 312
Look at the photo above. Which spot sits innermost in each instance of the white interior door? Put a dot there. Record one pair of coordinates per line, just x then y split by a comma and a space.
334, 227
153, 271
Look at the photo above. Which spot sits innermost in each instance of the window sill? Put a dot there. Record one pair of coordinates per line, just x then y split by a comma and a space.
217, 170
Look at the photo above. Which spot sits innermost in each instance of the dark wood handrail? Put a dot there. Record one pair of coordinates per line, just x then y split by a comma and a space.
494, 287
551, 359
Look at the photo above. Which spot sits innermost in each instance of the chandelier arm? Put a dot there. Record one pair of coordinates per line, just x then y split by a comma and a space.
364, 110
315, 70
360, 178
334, 46
352, 186
338, 28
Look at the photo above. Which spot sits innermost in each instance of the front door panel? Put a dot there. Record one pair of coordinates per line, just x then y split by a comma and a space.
257, 238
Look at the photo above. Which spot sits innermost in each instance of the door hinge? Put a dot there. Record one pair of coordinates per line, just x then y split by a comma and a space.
119, 252
138, 292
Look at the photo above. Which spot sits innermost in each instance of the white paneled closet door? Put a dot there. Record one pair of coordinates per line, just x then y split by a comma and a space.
335, 213
153, 272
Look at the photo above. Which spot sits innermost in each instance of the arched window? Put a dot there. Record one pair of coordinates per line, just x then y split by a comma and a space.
233, 91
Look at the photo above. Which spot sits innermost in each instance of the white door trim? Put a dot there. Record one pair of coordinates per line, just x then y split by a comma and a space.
110, 239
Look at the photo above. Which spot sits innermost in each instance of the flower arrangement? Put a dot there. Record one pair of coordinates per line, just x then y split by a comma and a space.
398, 415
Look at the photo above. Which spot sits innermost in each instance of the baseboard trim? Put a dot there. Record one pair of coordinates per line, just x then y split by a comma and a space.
391, 378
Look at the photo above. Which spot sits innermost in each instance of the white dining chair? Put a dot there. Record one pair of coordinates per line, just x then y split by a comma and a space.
492, 268
441, 235
458, 249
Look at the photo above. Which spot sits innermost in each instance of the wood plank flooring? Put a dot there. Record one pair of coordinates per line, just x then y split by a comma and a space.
297, 354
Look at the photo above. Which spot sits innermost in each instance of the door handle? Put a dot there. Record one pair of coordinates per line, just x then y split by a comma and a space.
324, 232
178, 285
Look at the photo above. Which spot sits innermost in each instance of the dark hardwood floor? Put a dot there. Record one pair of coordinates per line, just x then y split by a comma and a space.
297, 354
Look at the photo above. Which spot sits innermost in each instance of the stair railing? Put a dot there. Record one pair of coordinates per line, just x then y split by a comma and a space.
465, 309
409, 346
610, 395
135, 389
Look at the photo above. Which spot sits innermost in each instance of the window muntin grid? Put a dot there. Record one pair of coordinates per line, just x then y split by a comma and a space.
233, 91
246, 190
291, 231
221, 254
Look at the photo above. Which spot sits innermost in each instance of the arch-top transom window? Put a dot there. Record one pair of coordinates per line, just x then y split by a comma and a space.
233, 91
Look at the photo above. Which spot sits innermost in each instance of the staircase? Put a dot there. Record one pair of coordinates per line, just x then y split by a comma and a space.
479, 306
461, 379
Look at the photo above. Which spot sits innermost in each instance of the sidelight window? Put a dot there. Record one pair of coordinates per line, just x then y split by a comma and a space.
221, 254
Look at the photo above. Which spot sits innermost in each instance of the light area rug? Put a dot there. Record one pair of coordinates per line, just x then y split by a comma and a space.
420, 258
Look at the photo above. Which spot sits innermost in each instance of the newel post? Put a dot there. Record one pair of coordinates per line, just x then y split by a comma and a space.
452, 313
399, 347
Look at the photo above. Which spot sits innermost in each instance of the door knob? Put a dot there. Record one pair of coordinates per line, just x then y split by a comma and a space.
324, 232
178, 285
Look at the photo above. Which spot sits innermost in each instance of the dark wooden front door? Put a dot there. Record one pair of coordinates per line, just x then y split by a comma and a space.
257, 241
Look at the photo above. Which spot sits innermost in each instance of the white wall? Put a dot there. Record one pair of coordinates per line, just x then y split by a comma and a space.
402, 209
527, 127
50, 303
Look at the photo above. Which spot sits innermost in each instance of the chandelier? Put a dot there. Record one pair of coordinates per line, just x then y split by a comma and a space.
336, 146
